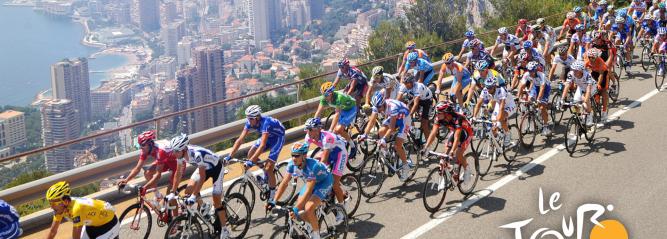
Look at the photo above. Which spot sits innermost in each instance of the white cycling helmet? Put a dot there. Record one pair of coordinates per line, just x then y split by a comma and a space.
531, 66
577, 66
502, 30
180, 142
620, 19
253, 111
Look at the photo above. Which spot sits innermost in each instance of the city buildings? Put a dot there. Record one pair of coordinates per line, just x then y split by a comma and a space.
148, 15
60, 123
69, 80
12, 129
171, 35
109, 99
184, 51
316, 9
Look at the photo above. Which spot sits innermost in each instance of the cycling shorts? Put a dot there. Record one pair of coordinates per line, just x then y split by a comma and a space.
402, 125
428, 76
464, 139
535, 91
346, 117
466, 82
11, 231
217, 173
359, 89
321, 190
337, 159
602, 85
107, 231
580, 92
273, 143
496, 110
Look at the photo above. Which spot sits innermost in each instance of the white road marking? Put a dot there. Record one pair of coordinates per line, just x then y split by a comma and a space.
509, 178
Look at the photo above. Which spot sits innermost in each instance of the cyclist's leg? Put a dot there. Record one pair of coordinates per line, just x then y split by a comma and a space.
464, 141
544, 101
425, 121
337, 160
320, 193
403, 126
107, 231
218, 174
277, 146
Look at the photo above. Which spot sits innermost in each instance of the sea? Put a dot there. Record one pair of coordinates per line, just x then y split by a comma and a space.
30, 42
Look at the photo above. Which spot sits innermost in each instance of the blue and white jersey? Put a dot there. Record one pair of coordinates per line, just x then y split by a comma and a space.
510, 40
200, 156
418, 89
538, 80
313, 170
268, 125
395, 108
422, 65
9, 221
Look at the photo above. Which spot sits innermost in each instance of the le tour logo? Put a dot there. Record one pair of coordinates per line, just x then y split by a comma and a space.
606, 229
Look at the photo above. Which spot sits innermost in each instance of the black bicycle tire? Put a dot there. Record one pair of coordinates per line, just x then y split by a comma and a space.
374, 160
251, 199
490, 159
345, 222
145, 209
356, 198
194, 222
248, 220
572, 122
291, 188
428, 208
527, 118
475, 164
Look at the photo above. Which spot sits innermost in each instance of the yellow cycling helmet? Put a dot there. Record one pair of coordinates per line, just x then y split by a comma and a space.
448, 57
58, 191
327, 88
410, 45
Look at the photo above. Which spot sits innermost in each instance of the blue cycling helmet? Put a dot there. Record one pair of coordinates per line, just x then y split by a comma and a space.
577, 9
300, 148
343, 62
470, 33
579, 27
528, 44
662, 30
313, 123
482, 65
661, 5
622, 12
378, 99
413, 56
490, 82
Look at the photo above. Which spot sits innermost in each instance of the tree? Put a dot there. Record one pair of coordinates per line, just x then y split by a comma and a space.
441, 17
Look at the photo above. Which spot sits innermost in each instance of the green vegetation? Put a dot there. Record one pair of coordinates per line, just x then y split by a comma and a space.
342, 12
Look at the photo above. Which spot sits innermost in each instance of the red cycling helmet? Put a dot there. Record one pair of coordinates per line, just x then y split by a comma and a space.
523, 21
445, 107
146, 136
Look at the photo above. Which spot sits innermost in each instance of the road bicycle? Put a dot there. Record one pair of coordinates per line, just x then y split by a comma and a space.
200, 223
139, 214
247, 183
646, 59
444, 178
385, 162
621, 63
555, 110
576, 126
490, 145
659, 76
529, 123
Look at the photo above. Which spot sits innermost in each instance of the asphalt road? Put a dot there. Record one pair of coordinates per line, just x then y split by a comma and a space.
623, 167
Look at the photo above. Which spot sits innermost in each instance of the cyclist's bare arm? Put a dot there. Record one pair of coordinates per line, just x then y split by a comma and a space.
431, 136
441, 74
134, 171
353, 85
552, 70
76, 232
456, 135
335, 82
260, 148
415, 105
571, 48
539, 95
501, 107
566, 90
371, 119
471, 90
54, 230
238, 142
493, 49
319, 111
156, 176
460, 53
477, 106
325, 156
283, 185
180, 167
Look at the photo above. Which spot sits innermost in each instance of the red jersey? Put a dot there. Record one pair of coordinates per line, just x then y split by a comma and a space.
163, 156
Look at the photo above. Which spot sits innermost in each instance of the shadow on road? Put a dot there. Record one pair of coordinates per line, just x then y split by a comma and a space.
362, 227
620, 125
489, 204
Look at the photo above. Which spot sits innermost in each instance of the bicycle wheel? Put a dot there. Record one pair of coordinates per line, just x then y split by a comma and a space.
556, 113
619, 64
137, 226
329, 227
614, 88
238, 215
371, 176
279, 172
365, 147
245, 188
434, 190
646, 58
659, 78
527, 130
354, 163
329, 120
486, 155
412, 155
184, 226
590, 131
572, 134
351, 185
510, 152
467, 187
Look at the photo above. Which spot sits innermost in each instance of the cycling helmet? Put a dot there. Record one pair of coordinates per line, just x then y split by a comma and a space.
448, 57
579, 27
662, 30
253, 111
593, 52
502, 30
570, 15
532, 66
535, 28
523, 55
378, 99
410, 45
408, 78
490, 82
648, 17
445, 107
313, 123
661, 5
622, 12
596, 34
474, 43
522, 21
610, 8
343, 62
58, 191
577, 9
180, 142
577, 66
481, 65
540, 21
602, 2
327, 88
413, 56
378, 70
146, 136
527, 44
300, 148
620, 19
562, 49
470, 33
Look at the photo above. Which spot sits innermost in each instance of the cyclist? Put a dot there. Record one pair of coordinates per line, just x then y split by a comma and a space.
527, 54
346, 112
582, 17
584, 82
358, 85
272, 137
578, 42
564, 60
543, 42
421, 96
568, 25
458, 139
540, 89
649, 28
423, 69
333, 152
511, 43
477, 53
316, 189
91, 218
660, 45
660, 15
592, 10
624, 31
481, 74
470, 36
637, 9
599, 71
9, 221
523, 30
411, 47
381, 81
397, 120
148, 149
503, 106
608, 18
208, 166
461, 78
606, 47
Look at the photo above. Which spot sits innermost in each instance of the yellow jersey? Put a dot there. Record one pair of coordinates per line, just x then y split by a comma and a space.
87, 212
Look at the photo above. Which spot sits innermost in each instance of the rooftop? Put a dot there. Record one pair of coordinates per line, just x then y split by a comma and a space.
10, 114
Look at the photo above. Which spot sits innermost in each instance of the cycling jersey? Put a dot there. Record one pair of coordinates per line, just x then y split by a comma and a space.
638, 8
458, 68
606, 47
424, 66
567, 62
598, 66
167, 158
534, 56
651, 29
398, 110
622, 34
458, 121
418, 89
153, 153
510, 40
353, 73
387, 82
483, 55
87, 212
269, 125
581, 39
420, 54
499, 95
336, 146
340, 101
9, 221
479, 79
313, 170
585, 80
525, 32
570, 24
202, 157
466, 43
537, 83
